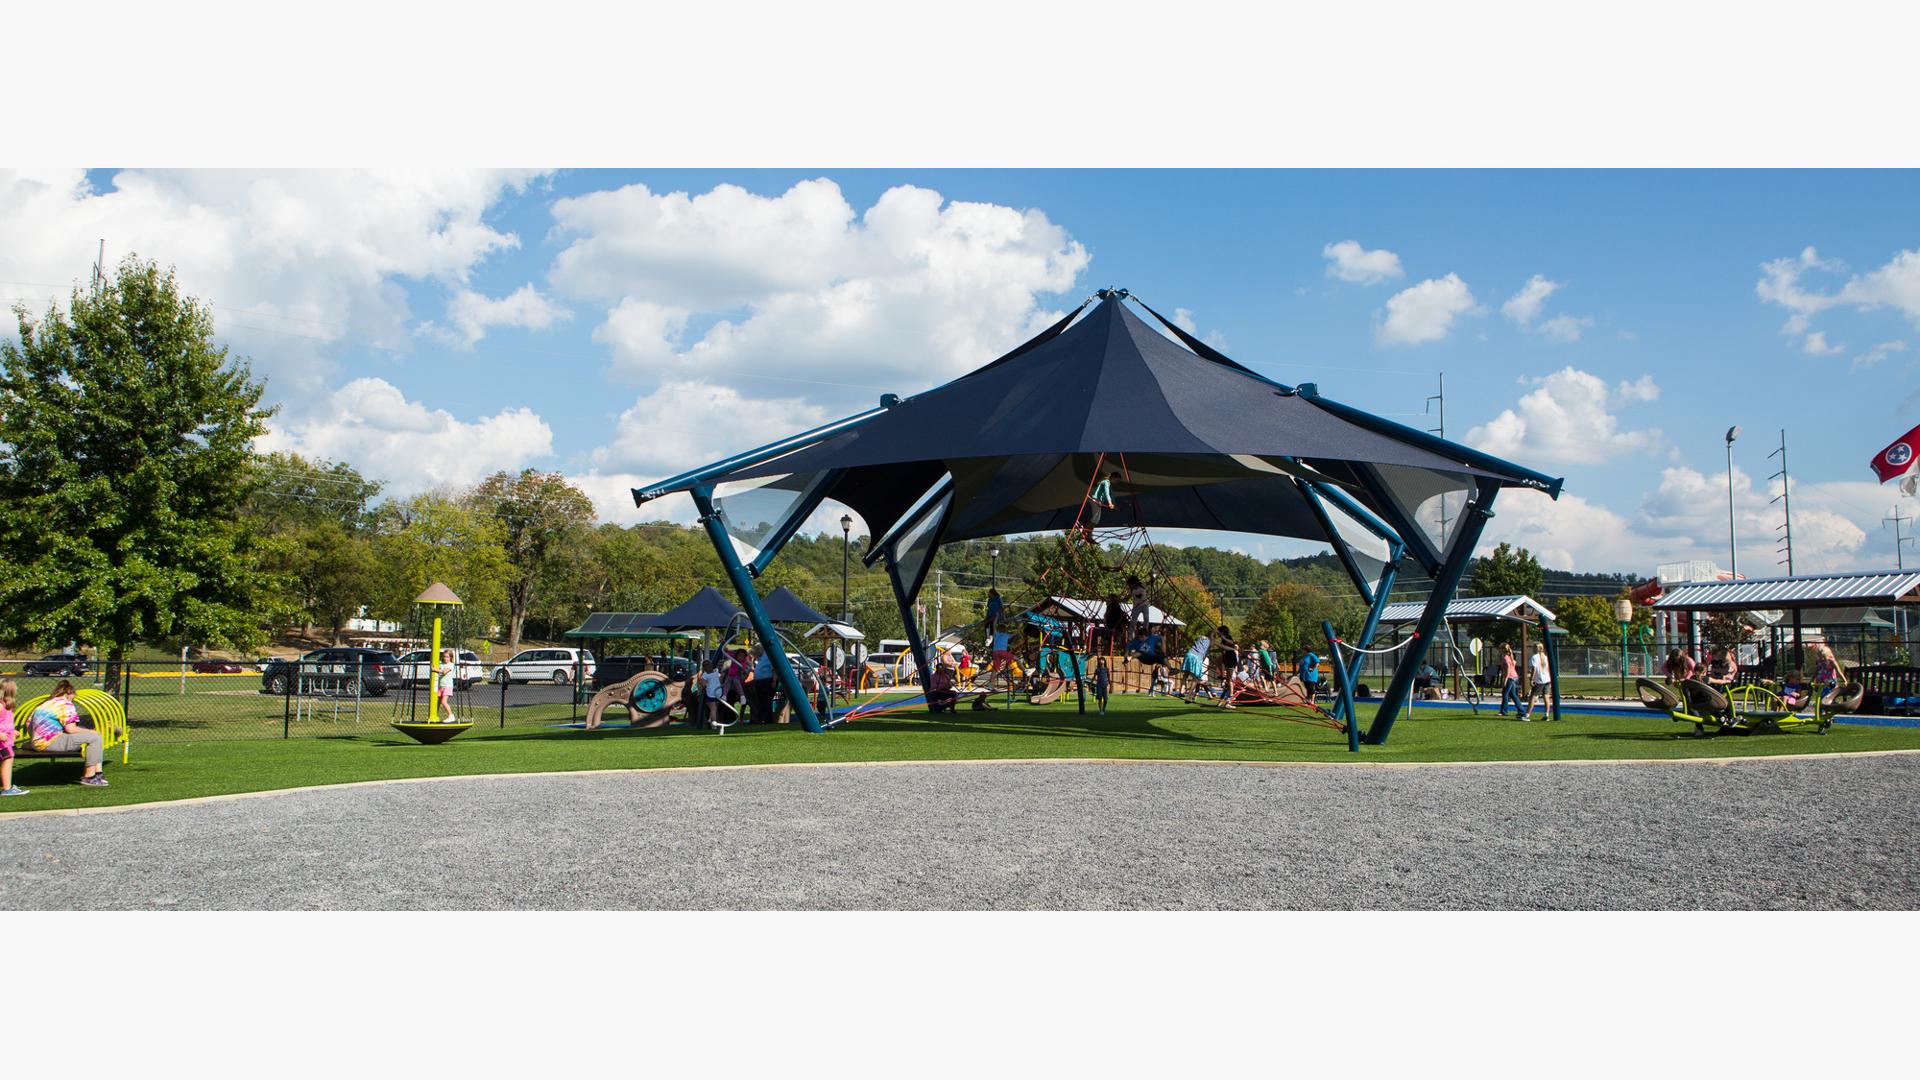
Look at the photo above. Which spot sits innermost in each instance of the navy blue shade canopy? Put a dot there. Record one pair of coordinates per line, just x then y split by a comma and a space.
783, 606
1205, 443
706, 609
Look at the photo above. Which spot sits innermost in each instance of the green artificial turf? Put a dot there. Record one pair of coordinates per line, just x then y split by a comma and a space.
1135, 727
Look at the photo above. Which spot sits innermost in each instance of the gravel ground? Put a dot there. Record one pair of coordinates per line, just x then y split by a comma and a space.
1836, 832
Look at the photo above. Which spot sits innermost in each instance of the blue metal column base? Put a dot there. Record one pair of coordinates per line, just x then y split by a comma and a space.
1445, 583
750, 602
1553, 663
1345, 685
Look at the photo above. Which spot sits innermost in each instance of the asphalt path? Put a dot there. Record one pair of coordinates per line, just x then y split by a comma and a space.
1834, 832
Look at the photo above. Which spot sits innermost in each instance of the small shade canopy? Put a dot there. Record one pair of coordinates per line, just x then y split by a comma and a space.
784, 607
437, 593
1472, 609
704, 610
834, 629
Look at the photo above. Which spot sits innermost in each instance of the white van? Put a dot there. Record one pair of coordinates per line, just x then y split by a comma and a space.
557, 666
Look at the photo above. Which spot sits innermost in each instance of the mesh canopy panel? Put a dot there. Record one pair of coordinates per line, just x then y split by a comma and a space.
756, 509
913, 548
1371, 553
1432, 499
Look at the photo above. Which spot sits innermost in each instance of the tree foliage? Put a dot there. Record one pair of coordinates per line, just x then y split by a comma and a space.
129, 445
543, 525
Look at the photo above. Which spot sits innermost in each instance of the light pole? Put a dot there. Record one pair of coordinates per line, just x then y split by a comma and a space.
846, 546
996, 567
1623, 611
1733, 546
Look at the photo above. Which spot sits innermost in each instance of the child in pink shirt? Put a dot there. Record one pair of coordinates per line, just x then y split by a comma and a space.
7, 693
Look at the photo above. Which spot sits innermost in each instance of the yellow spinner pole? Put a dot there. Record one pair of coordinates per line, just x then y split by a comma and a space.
433, 682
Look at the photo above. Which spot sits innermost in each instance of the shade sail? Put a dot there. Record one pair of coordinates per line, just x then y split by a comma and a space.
703, 610
783, 606
1204, 443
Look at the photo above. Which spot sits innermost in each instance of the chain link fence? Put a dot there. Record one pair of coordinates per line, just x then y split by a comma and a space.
206, 701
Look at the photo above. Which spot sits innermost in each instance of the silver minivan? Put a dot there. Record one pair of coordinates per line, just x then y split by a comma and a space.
557, 666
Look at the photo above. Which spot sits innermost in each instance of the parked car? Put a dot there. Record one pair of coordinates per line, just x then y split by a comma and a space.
556, 666
64, 664
417, 666
337, 670
217, 667
610, 670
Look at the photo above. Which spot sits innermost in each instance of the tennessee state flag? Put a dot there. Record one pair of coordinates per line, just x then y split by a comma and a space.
1901, 458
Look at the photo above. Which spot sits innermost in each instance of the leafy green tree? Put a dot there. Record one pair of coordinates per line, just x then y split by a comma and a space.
315, 561
1725, 628
1289, 615
1509, 571
437, 536
543, 525
129, 439
1588, 620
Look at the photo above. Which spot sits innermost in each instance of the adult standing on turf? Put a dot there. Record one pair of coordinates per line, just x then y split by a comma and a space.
1540, 682
993, 610
1229, 665
760, 690
1310, 673
1509, 680
55, 725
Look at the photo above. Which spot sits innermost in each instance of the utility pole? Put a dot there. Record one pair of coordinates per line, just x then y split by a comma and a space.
1733, 544
1899, 563
100, 267
1441, 431
1785, 499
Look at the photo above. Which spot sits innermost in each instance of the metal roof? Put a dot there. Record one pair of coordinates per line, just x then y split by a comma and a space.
622, 624
1803, 591
1471, 609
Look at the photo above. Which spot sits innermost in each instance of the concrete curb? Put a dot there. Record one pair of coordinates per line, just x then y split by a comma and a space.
1194, 762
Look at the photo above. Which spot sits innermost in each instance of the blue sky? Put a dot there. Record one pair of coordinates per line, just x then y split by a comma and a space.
1604, 326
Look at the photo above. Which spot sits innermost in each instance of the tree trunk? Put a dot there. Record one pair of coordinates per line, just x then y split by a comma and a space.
519, 599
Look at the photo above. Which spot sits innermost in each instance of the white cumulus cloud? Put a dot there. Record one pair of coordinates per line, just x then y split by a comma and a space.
1878, 353
1565, 328
371, 425
1895, 285
1348, 261
1425, 312
1570, 417
473, 314
1524, 306
688, 423
912, 290
1816, 345
293, 261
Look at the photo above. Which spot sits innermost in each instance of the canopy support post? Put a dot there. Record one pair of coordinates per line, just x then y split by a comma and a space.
1474, 521
1345, 685
1553, 662
915, 643
750, 602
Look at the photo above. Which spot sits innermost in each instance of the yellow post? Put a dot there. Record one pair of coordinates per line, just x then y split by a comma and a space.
433, 676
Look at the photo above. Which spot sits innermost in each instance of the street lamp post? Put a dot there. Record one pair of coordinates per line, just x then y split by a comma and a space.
996, 567
1623, 611
846, 546
1733, 546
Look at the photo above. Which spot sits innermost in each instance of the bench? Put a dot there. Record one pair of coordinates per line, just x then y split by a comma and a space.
99, 710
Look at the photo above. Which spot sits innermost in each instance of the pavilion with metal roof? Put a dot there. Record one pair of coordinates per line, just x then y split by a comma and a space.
1872, 588
1523, 609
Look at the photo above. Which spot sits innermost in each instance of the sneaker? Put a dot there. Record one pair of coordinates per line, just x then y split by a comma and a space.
16, 791
94, 781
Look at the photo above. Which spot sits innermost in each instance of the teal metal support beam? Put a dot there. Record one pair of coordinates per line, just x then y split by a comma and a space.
1344, 684
1553, 662
1445, 583
750, 602
915, 643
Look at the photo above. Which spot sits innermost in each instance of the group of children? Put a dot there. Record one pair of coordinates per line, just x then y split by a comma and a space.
1722, 669
54, 724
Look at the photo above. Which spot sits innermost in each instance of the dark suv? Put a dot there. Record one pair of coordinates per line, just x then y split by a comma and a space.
334, 671
66, 663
